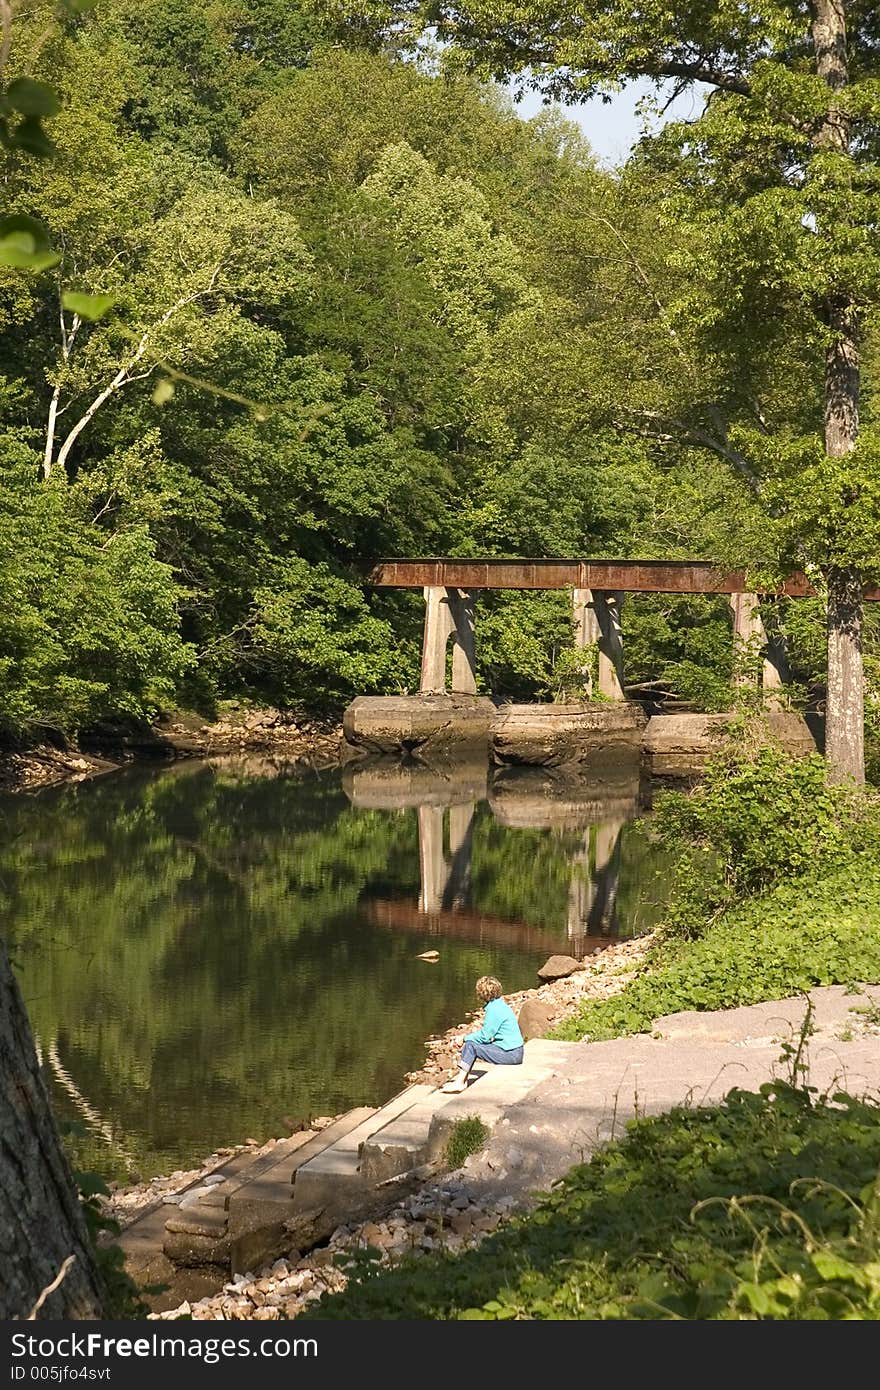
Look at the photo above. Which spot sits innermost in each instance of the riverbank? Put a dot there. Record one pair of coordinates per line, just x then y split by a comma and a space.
692, 1061
412, 1217
600, 977
283, 736
744, 1144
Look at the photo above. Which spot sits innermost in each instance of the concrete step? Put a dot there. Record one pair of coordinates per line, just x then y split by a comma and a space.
497, 1090
260, 1205
333, 1180
420, 1133
276, 1177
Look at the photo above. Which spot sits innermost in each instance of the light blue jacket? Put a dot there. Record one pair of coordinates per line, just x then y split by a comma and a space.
499, 1027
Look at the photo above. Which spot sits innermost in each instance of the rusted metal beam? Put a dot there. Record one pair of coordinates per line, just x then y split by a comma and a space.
629, 576
478, 928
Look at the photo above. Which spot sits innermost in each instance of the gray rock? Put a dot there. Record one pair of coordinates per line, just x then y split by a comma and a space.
559, 967
194, 1196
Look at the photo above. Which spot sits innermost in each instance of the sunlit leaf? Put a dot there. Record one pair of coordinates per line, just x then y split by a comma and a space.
32, 98
25, 245
163, 392
88, 306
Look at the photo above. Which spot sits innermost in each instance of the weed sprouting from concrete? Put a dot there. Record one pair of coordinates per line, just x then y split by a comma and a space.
469, 1134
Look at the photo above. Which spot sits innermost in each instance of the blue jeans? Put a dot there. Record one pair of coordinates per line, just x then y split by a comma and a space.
490, 1052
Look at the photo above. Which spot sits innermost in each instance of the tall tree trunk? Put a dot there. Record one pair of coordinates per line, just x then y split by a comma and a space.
41, 1222
845, 705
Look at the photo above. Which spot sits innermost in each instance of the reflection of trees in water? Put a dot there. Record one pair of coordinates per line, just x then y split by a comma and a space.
94, 1120
197, 944
194, 943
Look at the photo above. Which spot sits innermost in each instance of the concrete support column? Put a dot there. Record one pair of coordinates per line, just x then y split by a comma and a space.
751, 634
748, 632
608, 607
433, 868
776, 671
586, 629
438, 629
462, 606
449, 613
461, 846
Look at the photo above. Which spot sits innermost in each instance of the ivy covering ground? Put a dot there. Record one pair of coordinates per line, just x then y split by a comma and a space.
790, 940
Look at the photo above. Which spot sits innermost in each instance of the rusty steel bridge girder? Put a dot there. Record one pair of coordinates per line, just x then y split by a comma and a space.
629, 576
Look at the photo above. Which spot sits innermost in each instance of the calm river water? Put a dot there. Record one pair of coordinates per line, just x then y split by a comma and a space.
210, 951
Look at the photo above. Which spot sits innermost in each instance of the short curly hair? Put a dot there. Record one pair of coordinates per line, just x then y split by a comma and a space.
488, 988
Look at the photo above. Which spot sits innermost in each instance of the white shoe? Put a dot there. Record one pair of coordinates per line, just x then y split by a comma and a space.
454, 1088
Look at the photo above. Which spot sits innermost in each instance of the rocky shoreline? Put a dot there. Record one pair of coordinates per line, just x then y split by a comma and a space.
599, 976
284, 737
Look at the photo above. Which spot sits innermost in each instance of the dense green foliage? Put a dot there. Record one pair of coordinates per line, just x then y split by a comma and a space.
347, 306
764, 341
760, 818
777, 889
765, 1206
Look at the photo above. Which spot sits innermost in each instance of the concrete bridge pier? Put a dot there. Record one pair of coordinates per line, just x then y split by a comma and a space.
449, 613
597, 621
750, 637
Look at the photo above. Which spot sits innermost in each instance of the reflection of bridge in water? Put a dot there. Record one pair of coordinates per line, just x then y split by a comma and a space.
446, 806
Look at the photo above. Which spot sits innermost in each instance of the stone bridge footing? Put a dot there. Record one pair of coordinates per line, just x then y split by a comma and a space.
577, 736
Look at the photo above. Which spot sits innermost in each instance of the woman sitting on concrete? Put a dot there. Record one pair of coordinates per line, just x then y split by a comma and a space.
499, 1040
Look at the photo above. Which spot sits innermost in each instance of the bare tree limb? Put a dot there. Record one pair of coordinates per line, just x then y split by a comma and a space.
67, 341
6, 40
644, 280
703, 72
50, 1288
126, 372
671, 431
